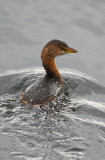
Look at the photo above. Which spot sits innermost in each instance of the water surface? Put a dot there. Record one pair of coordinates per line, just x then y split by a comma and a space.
76, 132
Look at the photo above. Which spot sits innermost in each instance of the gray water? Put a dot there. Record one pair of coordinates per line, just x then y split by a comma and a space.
77, 131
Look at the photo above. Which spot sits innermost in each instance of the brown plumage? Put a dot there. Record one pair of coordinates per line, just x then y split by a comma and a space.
51, 85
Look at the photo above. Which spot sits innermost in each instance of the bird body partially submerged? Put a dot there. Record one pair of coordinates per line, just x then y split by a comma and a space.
51, 85
42, 92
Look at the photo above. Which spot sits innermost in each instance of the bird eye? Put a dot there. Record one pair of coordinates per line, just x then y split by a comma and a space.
63, 48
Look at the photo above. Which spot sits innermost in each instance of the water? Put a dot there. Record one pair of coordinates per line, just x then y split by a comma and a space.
77, 131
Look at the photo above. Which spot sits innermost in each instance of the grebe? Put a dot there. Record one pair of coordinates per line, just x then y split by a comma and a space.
51, 85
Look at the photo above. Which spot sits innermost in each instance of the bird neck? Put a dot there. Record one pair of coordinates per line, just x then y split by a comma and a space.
51, 68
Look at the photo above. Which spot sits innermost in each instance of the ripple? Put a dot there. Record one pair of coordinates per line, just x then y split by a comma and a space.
69, 133
72, 154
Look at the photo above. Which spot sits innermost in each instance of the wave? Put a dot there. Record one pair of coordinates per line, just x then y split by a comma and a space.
69, 133
80, 89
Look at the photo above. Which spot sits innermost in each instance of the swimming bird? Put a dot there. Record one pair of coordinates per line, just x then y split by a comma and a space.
51, 85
